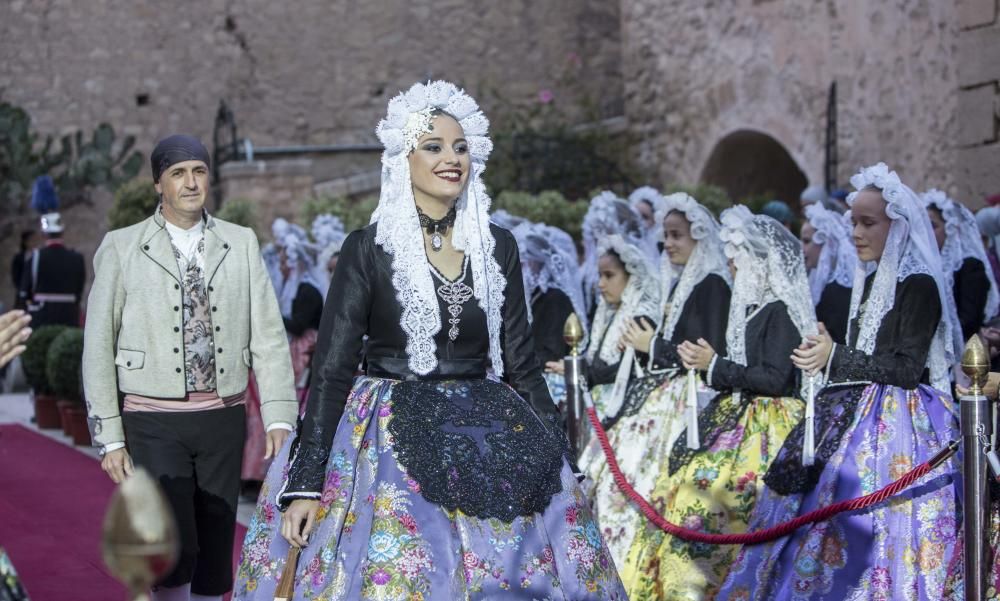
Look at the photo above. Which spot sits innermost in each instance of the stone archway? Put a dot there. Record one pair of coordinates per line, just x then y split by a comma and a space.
751, 163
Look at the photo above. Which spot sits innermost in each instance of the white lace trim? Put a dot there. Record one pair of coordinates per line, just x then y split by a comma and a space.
398, 227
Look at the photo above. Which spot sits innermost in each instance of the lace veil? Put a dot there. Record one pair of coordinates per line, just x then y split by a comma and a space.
608, 215
769, 267
398, 227
837, 258
707, 258
962, 241
910, 248
548, 266
652, 197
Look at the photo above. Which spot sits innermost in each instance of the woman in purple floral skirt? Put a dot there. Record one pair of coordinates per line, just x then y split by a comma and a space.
442, 472
886, 409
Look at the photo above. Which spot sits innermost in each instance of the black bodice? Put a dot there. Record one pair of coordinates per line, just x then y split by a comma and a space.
903, 340
704, 314
834, 309
771, 336
363, 302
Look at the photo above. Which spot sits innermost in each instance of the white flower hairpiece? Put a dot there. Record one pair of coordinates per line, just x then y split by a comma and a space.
880, 176
410, 113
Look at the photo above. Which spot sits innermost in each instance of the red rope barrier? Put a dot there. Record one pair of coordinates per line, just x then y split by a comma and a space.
774, 532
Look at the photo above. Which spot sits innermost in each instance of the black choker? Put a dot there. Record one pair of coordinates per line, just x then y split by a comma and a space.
437, 228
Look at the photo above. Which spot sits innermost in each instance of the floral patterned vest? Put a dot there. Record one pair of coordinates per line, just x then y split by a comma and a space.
199, 346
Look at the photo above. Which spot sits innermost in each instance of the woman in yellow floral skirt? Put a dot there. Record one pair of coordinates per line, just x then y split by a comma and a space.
712, 488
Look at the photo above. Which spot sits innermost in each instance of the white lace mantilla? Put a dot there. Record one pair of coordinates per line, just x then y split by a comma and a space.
398, 227
910, 248
769, 267
838, 257
963, 240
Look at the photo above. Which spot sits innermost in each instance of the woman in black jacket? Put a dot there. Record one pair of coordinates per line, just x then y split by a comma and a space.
424, 478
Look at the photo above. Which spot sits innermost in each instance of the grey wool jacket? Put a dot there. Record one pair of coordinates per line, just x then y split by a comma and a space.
134, 338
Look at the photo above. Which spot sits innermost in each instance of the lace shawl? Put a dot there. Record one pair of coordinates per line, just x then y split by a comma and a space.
838, 257
962, 241
910, 248
398, 227
769, 267
707, 258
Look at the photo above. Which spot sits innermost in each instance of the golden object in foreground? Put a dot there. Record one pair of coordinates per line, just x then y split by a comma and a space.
139, 536
976, 364
573, 334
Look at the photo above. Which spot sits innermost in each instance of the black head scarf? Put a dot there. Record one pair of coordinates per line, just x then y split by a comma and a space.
176, 149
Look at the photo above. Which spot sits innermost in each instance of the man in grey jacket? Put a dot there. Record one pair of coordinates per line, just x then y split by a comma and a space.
181, 307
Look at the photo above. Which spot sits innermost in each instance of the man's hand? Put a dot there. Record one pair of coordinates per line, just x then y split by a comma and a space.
298, 521
275, 440
117, 465
14, 331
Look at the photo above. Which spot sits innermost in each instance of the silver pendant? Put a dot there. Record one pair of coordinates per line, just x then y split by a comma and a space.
437, 243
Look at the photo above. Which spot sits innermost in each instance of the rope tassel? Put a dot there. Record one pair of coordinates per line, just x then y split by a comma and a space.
693, 441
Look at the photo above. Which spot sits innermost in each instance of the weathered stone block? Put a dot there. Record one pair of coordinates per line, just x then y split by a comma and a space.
976, 13
978, 110
978, 55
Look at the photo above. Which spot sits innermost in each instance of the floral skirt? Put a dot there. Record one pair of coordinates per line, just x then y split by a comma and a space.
711, 490
906, 548
641, 441
557, 386
377, 536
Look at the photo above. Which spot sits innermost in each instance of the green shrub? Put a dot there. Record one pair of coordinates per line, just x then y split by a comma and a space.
62, 364
241, 212
133, 202
548, 207
355, 213
35, 357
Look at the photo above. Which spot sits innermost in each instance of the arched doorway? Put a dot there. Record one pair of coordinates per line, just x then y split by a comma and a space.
749, 163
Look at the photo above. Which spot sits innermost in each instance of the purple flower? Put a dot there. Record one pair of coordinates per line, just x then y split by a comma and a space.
546, 96
380, 577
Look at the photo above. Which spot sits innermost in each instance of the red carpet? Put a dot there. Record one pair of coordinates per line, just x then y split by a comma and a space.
52, 502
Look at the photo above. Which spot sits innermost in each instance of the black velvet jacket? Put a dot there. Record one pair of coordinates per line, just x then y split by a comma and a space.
549, 312
771, 336
903, 339
365, 304
834, 309
705, 314
971, 289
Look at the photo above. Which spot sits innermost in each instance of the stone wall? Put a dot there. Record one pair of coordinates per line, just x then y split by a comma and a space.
316, 72
978, 169
698, 70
